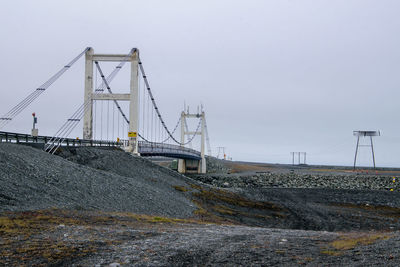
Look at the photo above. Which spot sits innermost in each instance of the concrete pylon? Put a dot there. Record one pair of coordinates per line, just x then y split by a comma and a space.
184, 164
88, 116
134, 105
132, 97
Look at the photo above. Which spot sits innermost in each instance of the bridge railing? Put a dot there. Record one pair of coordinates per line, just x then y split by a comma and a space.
165, 149
26, 138
145, 148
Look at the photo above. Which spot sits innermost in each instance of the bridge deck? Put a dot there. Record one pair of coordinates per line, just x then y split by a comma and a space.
145, 149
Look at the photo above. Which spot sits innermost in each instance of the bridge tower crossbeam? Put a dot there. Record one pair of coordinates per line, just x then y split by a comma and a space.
132, 97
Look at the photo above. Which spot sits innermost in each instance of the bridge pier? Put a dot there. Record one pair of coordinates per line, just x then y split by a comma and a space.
192, 166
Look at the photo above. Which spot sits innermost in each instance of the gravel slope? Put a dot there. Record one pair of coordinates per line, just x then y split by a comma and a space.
112, 180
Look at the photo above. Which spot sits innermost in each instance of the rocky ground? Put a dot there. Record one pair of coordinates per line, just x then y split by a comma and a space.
300, 180
81, 238
103, 207
89, 178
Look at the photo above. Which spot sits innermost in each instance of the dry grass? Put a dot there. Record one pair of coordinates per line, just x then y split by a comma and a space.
227, 197
195, 186
332, 253
242, 167
385, 211
127, 217
21, 238
180, 188
34, 237
221, 206
224, 210
350, 241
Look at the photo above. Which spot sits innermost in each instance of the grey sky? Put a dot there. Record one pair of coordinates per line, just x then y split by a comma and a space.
274, 76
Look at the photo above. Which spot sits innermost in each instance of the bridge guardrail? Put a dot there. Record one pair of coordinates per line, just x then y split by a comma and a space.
145, 148
167, 149
26, 138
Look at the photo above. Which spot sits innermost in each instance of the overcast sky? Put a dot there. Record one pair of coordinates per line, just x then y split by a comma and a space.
273, 76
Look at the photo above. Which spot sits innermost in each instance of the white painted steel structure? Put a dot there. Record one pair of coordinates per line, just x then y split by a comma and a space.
183, 163
158, 134
132, 97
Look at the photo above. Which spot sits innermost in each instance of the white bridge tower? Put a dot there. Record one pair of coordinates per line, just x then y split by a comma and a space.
186, 165
132, 96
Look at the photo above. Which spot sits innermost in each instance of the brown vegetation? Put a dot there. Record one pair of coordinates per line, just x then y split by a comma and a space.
22, 234
352, 240
221, 206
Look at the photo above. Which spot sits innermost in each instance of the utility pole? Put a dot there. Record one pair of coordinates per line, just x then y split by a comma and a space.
298, 154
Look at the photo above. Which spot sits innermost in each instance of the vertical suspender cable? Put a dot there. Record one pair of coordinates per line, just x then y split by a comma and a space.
147, 118
95, 110
113, 122
144, 110
108, 118
151, 125
101, 121
117, 128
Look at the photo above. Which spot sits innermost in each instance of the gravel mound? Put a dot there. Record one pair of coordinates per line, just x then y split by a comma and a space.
298, 180
89, 178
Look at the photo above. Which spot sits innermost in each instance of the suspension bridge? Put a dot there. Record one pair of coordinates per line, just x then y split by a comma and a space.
137, 126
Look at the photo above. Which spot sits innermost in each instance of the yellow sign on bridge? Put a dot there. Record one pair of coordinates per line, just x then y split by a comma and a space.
132, 134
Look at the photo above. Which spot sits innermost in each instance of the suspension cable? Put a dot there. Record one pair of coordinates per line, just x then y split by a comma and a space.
153, 101
71, 123
146, 84
37, 92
